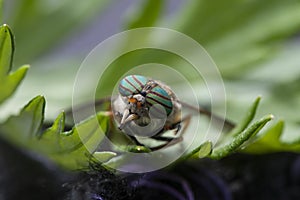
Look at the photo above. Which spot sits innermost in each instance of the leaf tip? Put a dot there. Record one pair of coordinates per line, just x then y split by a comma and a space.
61, 115
5, 26
40, 98
6, 29
36, 101
269, 117
59, 123
27, 66
258, 99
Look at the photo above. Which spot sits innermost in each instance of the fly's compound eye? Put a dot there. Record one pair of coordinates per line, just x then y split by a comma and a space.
132, 84
158, 95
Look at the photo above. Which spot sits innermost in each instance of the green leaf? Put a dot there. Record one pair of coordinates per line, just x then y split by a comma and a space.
247, 118
70, 149
270, 141
8, 81
7, 49
148, 15
240, 33
233, 43
242, 125
201, 151
20, 129
51, 136
204, 150
240, 139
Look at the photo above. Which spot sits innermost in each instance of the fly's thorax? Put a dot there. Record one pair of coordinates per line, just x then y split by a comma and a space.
150, 84
140, 98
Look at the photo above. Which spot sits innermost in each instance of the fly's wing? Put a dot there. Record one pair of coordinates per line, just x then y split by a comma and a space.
217, 120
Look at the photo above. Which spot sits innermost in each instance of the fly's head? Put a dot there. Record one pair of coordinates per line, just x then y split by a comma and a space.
144, 102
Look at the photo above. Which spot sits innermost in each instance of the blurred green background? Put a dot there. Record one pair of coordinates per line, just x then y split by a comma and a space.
255, 44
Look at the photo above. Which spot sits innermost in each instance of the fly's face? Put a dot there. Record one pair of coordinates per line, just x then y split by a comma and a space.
143, 101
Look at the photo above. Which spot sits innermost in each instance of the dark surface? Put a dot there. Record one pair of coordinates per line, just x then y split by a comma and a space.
28, 176
22, 177
275, 176
97, 183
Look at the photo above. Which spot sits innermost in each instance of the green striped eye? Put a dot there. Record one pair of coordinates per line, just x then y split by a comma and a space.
151, 90
132, 84
158, 95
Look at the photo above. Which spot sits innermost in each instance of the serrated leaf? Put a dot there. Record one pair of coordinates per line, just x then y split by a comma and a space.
240, 139
8, 81
71, 149
270, 141
51, 136
20, 129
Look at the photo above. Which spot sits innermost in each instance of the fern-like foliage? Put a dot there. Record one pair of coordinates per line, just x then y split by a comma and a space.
74, 148
9, 81
24, 130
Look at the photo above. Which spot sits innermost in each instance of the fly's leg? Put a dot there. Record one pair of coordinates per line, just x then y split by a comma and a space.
187, 121
177, 125
173, 140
